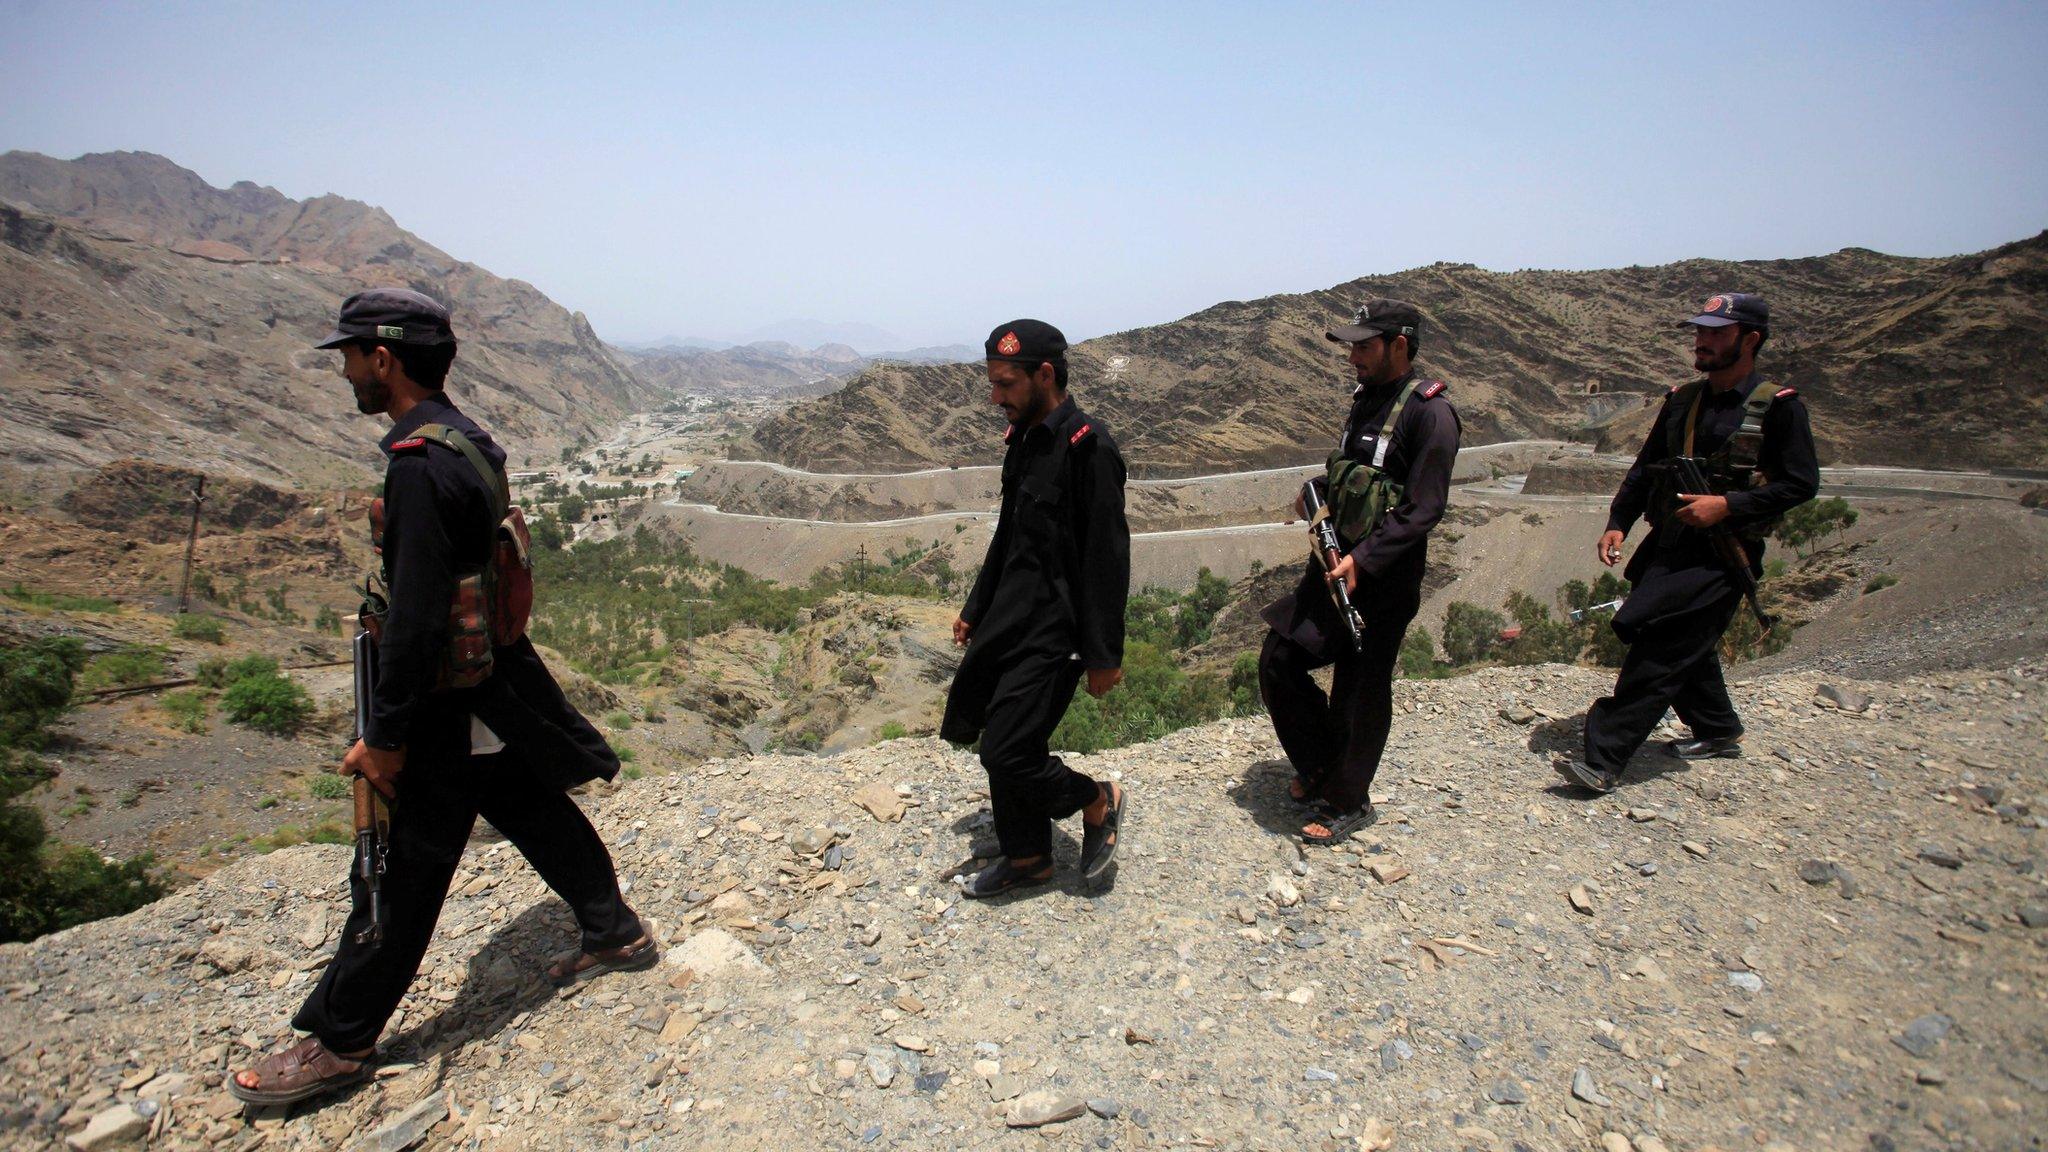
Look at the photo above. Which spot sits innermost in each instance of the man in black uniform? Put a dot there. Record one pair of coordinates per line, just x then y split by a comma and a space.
506, 748
1047, 608
1761, 465
1405, 427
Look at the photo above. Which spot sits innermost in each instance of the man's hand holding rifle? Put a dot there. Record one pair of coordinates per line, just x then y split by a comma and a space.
1689, 478
1337, 568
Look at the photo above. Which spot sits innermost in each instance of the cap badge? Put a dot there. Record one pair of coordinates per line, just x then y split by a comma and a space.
1716, 304
1364, 314
391, 331
1009, 345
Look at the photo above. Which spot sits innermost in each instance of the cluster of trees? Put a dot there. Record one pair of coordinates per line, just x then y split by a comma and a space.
1814, 519
46, 886
1158, 696
617, 608
1523, 632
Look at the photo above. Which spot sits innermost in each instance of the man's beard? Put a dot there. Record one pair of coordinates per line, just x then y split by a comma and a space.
372, 397
1707, 361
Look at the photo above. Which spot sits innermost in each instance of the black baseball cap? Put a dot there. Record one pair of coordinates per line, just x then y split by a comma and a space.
1732, 308
1026, 342
391, 314
1378, 318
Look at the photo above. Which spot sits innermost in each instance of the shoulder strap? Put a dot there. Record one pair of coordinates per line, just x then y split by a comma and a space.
1379, 451
1679, 437
494, 480
1747, 444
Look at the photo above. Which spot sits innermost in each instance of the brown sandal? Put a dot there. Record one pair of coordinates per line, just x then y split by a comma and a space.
642, 953
300, 1072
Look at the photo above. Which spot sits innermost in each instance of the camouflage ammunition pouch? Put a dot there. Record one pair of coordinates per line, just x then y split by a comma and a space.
490, 608
1361, 493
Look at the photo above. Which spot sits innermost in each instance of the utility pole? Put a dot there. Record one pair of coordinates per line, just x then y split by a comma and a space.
191, 542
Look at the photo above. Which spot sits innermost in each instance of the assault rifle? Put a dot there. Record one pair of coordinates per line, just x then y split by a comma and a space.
373, 816
1579, 615
1689, 477
1328, 550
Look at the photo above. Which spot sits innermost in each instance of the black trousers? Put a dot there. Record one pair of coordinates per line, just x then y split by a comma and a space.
1029, 787
437, 805
1674, 663
1335, 742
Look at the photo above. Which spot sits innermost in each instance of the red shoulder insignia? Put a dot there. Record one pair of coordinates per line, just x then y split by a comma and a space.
1007, 429
408, 445
1076, 437
1431, 390
1784, 392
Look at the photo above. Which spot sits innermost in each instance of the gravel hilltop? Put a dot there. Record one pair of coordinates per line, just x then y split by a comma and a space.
1835, 943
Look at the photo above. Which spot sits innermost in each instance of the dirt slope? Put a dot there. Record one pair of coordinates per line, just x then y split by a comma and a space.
1749, 970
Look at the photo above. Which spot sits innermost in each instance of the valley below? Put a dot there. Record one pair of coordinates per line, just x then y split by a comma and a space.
748, 560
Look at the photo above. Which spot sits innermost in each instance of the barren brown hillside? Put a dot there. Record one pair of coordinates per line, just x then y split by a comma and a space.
144, 313
1954, 344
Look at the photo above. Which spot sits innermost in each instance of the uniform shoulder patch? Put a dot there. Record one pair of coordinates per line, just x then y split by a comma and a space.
1784, 392
409, 445
1076, 437
1431, 390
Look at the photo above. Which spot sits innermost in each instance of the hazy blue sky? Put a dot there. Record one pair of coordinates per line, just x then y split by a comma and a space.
935, 169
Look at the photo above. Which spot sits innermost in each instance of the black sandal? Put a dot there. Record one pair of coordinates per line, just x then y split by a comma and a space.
1337, 825
1002, 876
1099, 841
1307, 788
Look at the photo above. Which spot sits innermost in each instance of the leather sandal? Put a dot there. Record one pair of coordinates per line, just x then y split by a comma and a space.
301, 1072
642, 953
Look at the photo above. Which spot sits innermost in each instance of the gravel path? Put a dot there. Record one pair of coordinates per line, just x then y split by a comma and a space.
1834, 943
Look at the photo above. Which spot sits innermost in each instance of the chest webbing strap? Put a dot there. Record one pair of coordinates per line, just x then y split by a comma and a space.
1386, 438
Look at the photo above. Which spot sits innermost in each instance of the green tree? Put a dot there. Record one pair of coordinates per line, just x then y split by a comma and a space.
128, 665
1543, 640
45, 886
1198, 609
35, 688
1155, 698
1245, 697
1418, 653
195, 626
546, 532
268, 703
1470, 632
1814, 519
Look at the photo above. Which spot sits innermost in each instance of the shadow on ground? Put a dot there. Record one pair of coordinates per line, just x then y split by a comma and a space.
1560, 739
507, 976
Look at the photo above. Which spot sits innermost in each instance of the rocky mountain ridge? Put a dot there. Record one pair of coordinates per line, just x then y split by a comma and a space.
1933, 362
767, 367
146, 314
